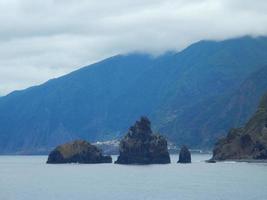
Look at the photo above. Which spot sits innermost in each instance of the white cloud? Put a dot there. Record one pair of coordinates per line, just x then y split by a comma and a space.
40, 40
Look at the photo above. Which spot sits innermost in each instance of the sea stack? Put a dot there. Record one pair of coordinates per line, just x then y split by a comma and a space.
78, 151
184, 155
141, 146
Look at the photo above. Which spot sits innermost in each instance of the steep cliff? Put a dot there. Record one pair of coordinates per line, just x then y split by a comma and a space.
248, 142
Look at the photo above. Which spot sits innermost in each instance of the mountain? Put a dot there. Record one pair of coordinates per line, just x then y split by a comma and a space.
248, 142
70, 107
184, 94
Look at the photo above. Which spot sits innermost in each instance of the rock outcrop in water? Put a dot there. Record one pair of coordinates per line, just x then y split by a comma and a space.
78, 151
184, 155
141, 146
248, 142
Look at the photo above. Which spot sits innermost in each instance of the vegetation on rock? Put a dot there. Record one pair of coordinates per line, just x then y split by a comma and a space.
78, 151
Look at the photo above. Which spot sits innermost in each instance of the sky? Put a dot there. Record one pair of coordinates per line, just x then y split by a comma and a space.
40, 40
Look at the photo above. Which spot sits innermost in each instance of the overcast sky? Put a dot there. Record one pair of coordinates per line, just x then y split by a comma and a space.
40, 40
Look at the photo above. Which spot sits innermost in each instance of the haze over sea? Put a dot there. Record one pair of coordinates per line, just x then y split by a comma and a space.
29, 178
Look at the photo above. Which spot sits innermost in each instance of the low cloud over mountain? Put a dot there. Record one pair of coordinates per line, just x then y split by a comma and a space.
40, 40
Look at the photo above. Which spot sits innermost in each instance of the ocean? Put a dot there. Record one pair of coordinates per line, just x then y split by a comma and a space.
30, 178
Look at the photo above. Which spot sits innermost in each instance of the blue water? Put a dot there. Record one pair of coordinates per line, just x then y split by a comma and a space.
29, 178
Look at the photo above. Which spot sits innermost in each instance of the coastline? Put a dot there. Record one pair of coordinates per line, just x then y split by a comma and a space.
238, 161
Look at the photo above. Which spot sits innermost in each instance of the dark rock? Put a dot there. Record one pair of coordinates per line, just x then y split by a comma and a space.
245, 141
141, 146
184, 155
210, 161
260, 151
78, 151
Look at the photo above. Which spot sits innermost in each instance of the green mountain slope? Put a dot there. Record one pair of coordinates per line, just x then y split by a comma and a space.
210, 119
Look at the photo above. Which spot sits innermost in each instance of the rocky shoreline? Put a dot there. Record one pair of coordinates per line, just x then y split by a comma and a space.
238, 161
248, 143
141, 146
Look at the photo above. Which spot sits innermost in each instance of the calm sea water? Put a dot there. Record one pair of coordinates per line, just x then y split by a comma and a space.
29, 178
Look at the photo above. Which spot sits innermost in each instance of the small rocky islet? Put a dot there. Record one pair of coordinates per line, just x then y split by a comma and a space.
78, 151
184, 155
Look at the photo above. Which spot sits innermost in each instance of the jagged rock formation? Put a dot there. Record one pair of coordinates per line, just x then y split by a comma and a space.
248, 142
184, 155
141, 146
78, 151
